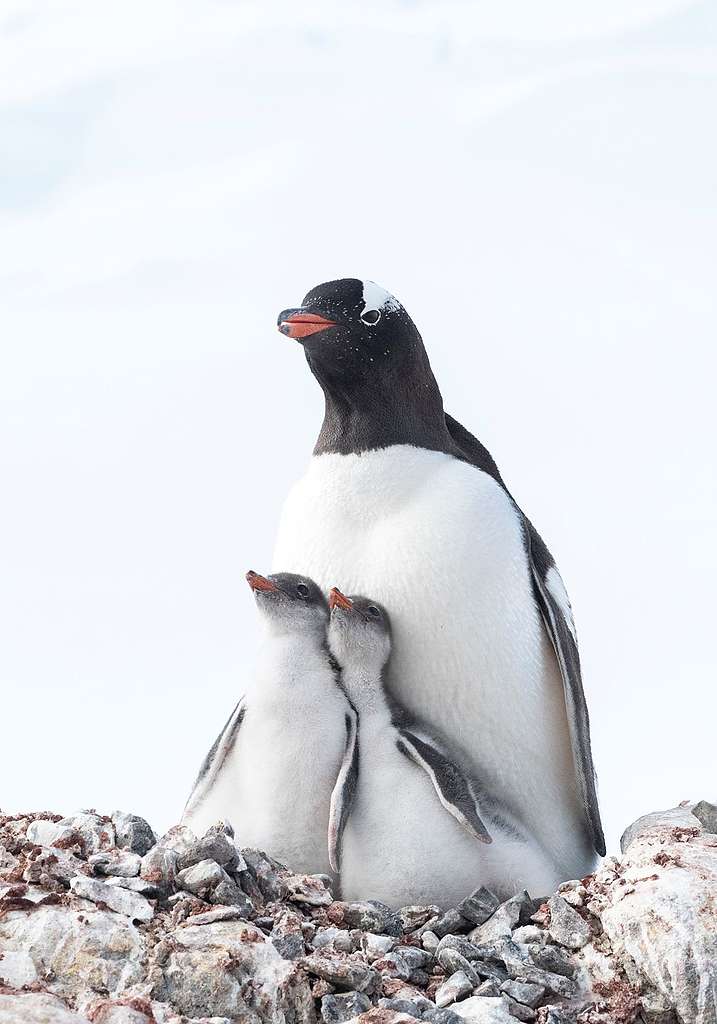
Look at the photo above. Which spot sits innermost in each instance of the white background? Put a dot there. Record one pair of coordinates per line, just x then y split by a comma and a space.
536, 183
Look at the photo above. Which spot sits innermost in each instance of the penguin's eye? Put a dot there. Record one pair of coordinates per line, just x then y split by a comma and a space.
302, 590
371, 317
373, 610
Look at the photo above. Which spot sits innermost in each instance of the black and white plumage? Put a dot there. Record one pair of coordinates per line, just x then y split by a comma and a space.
406, 822
401, 501
273, 767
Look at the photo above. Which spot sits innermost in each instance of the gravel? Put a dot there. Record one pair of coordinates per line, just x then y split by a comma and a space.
119, 927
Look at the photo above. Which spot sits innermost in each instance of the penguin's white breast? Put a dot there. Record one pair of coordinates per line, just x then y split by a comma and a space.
440, 544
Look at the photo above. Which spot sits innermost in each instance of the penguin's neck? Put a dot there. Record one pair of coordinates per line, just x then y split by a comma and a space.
382, 409
364, 688
288, 664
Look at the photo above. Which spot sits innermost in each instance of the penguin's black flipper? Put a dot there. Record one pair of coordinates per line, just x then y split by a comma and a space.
554, 604
552, 600
217, 753
344, 791
451, 785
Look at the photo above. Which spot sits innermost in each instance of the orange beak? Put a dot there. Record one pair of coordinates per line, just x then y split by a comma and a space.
295, 323
339, 600
257, 582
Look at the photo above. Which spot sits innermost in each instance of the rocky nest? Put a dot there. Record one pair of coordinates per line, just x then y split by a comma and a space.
102, 922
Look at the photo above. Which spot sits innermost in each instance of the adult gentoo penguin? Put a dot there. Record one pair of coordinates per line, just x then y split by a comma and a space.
407, 826
274, 765
400, 501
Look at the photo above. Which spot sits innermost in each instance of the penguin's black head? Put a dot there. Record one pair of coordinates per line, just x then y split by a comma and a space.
350, 329
289, 602
359, 631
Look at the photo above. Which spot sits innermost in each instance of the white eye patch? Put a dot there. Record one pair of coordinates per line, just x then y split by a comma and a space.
375, 300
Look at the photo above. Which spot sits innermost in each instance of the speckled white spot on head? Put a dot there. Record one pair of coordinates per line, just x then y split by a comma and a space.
556, 587
376, 297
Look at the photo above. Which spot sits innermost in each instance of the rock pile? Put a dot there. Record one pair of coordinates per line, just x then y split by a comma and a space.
101, 922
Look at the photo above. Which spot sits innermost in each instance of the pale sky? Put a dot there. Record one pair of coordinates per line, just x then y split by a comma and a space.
537, 185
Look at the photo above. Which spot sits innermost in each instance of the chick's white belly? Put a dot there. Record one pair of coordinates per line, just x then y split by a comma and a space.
276, 784
440, 544
400, 845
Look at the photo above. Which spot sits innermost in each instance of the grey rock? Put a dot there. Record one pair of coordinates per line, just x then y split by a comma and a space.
489, 987
133, 833
400, 1005
229, 894
451, 923
557, 1015
430, 941
265, 872
44, 833
228, 969
484, 1010
96, 834
414, 957
119, 1013
453, 989
675, 817
439, 1015
393, 965
552, 958
326, 880
415, 917
419, 978
342, 971
35, 1008
460, 943
122, 901
706, 814
250, 886
339, 939
213, 845
54, 863
521, 967
490, 970
179, 838
17, 969
373, 916
528, 933
523, 992
518, 1010
479, 906
374, 946
452, 961
508, 916
340, 1007
212, 916
159, 866
290, 947
202, 878
81, 947
308, 889
661, 913
573, 892
115, 862
148, 889
567, 927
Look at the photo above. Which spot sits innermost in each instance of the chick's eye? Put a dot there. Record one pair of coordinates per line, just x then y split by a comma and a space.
302, 590
373, 610
371, 317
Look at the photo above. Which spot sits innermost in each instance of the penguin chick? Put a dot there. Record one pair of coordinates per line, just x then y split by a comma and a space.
272, 768
406, 825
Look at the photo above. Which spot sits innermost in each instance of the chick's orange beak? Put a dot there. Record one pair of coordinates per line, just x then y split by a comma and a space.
257, 582
339, 600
